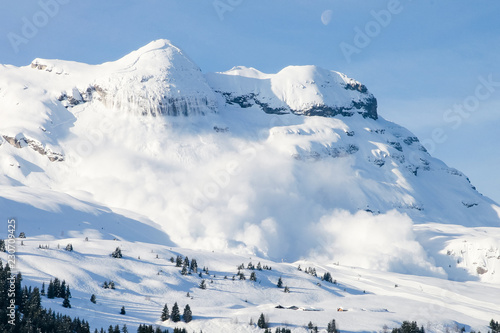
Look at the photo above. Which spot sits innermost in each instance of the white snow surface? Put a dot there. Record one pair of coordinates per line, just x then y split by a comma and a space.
156, 79
296, 89
149, 154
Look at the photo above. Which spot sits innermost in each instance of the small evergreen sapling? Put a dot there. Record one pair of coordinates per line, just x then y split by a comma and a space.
117, 253
66, 303
203, 284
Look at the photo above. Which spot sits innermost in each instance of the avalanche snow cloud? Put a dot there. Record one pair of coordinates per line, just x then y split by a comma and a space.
288, 165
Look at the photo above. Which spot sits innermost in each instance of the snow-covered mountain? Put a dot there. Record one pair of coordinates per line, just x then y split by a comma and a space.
302, 90
297, 165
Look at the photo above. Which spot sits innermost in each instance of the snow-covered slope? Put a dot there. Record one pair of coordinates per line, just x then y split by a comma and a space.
302, 90
154, 80
146, 279
292, 165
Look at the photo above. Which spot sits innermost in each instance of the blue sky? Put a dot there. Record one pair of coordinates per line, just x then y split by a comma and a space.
423, 60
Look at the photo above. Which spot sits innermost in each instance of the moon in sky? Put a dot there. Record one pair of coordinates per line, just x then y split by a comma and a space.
326, 17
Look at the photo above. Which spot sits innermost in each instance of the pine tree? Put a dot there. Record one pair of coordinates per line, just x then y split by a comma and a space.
176, 314
495, 327
62, 290
203, 285
116, 329
184, 270
194, 265
69, 247
408, 327
24, 298
43, 289
165, 315
287, 290
178, 261
124, 328
92, 299
262, 323
33, 306
187, 316
117, 253
66, 303
332, 327
57, 287
280, 283
253, 277
122, 311
50, 290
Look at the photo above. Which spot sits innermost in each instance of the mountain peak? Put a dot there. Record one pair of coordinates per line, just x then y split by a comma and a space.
303, 90
157, 79
160, 52
160, 79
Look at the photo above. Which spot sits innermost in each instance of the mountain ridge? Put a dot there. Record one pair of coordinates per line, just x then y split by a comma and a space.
229, 176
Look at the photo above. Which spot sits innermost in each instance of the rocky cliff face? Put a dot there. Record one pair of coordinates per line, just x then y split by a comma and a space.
157, 79
301, 90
